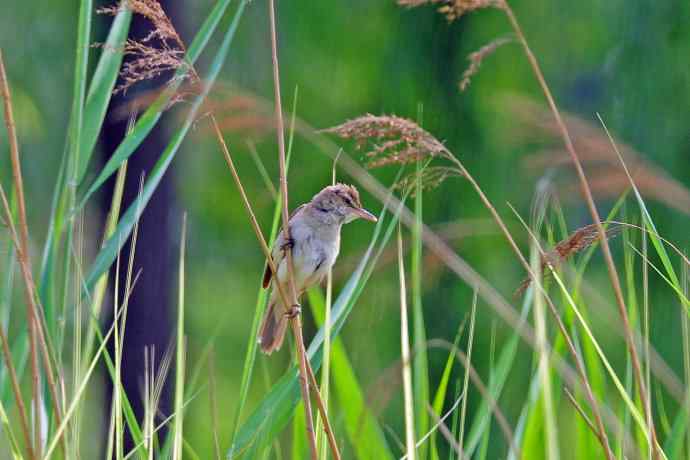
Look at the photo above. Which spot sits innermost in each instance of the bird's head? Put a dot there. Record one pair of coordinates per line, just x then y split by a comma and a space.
341, 200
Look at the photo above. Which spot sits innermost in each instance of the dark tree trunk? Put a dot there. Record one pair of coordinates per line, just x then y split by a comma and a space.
149, 316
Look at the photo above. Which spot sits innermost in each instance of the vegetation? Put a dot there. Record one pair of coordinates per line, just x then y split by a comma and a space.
416, 347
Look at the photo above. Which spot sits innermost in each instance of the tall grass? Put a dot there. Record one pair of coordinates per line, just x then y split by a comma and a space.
576, 387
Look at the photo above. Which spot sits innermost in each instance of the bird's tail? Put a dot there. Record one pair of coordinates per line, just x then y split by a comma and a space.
273, 327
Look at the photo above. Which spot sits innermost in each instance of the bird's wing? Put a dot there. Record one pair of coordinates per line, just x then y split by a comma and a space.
278, 253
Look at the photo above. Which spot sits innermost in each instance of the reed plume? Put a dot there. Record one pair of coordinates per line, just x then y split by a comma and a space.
580, 239
159, 52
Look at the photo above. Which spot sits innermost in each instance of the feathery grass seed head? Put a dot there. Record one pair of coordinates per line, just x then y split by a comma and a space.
477, 57
161, 51
453, 9
579, 240
390, 139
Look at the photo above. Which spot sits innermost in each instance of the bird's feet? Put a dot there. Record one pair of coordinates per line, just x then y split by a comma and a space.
294, 311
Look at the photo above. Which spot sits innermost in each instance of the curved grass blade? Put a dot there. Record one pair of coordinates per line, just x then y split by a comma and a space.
442, 388
101, 88
80, 71
112, 247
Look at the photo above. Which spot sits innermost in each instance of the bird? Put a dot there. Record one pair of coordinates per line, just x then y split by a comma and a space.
314, 239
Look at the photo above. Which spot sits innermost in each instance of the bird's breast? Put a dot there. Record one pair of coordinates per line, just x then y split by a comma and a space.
314, 253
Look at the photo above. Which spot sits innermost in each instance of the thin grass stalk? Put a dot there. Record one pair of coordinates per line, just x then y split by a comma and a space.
117, 398
646, 332
328, 430
180, 348
406, 358
251, 147
23, 419
484, 441
439, 421
443, 428
543, 364
7, 429
613, 274
581, 411
420, 370
324, 388
296, 320
250, 355
102, 284
686, 353
36, 333
466, 379
77, 360
213, 401
23, 250
80, 391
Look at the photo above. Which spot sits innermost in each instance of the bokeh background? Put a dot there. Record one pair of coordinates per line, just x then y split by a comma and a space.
627, 61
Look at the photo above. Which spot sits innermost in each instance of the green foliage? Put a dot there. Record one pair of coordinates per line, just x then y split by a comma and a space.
342, 74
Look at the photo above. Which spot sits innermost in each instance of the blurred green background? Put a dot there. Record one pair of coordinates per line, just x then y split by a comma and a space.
626, 60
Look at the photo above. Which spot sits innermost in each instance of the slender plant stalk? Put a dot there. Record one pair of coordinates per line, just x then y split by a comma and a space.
296, 321
180, 348
23, 420
465, 384
22, 250
213, 404
324, 388
326, 423
36, 333
581, 411
406, 358
613, 274
551, 445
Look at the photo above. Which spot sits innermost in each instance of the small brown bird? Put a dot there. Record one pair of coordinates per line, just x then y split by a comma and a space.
315, 242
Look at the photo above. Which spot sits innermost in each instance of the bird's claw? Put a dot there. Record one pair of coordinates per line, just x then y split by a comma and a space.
294, 311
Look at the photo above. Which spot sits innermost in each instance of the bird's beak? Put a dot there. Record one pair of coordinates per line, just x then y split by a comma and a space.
364, 214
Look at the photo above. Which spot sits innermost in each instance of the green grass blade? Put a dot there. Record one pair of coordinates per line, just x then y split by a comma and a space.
107, 255
484, 443
180, 351
442, 388
6, 427
101, 88
80, 77
299, 427
410, 438
20, 354
501, 371
420, 364
363, 430
466, 380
